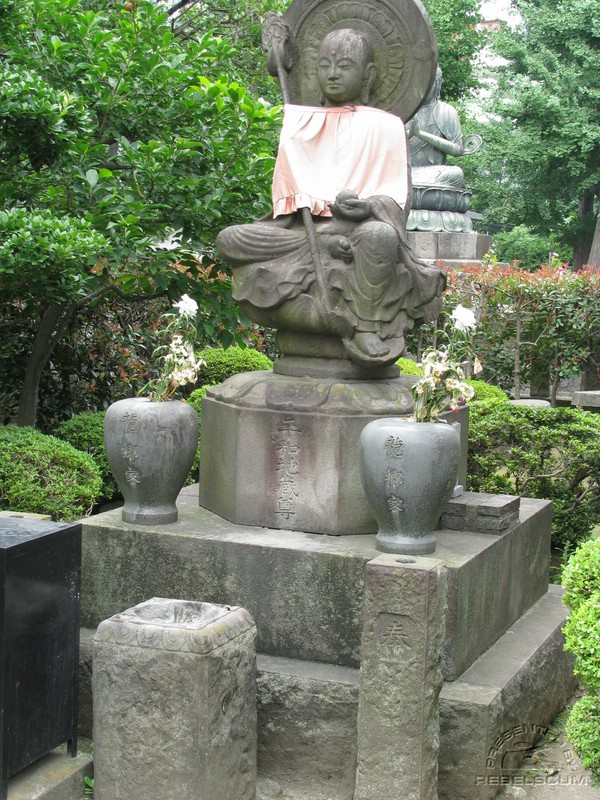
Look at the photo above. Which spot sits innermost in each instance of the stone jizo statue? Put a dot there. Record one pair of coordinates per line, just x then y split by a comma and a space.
331, 268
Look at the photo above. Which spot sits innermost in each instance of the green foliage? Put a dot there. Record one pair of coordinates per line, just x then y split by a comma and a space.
583, 731
221, 364
458, 40
113, 128
581, 581
529, 249
44, 475
541, 162
551, 316
85, 432
581, 576
88, 784
582, 638
486, 391
551, 453
409, 367
195, 400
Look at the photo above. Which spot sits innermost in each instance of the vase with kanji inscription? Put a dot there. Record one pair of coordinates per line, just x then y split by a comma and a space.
408, 471
150, 448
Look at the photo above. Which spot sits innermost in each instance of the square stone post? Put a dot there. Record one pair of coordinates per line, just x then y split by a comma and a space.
400, 678
175, 703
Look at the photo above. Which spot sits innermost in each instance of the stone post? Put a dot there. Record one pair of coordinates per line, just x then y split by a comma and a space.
400, 678
175, 703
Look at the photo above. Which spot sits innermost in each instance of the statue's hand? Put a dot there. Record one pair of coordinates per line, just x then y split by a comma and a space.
348, 206
412, 127
340, 247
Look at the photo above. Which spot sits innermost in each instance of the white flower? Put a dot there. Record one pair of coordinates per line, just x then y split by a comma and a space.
464, 318
187, 307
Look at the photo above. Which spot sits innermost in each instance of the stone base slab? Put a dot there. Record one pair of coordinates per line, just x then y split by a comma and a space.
305, 591
501, 705
56, 776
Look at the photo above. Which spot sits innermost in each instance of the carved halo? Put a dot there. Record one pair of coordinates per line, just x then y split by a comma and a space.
402, 38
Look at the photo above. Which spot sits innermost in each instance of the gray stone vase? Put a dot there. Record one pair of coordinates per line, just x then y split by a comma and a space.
408, 471
150, 448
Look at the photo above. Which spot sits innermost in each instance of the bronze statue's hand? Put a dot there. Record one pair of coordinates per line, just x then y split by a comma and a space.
412, 127
348, 206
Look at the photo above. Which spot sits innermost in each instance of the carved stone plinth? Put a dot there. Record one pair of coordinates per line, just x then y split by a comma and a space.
282, 452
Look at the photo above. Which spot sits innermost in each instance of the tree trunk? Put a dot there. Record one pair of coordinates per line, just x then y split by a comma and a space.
581, 250
594, 257
54, 323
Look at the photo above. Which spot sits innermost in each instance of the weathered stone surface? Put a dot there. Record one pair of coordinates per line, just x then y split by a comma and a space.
305, 591
449, 246
503, 702
174, 698
514, 568
400, 679
484, 513
307, 726
589, 400
85, 702
56, 776
282, 452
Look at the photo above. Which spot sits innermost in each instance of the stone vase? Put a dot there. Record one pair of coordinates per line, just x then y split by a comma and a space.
150, 448
408, 471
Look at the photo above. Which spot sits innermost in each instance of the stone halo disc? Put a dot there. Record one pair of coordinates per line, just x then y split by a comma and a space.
403, 42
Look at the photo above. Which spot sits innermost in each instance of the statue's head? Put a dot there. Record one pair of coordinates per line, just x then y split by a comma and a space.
346, 69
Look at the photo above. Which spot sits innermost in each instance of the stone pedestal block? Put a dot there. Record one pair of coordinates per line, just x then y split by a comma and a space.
449, 246
175, 704
484, 513
282, 452
400, 679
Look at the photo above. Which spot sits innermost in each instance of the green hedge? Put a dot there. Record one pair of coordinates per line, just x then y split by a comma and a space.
581, 580
86, 433
222, 364
43, 475
539, 451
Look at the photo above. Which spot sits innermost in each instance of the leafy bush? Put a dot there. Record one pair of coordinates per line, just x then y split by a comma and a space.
86, 433
551, 453
581, 580
44, 475
581, 576
583, 731
522, 245
409, 367
582, 637
222, 364
195, 400
486, 391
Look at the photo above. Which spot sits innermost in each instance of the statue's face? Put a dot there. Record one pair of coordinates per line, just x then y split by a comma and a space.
343, 71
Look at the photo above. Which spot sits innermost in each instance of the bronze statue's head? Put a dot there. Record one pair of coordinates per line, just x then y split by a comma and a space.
346, 68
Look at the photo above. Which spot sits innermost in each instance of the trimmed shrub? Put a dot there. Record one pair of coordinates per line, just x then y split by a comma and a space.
582, 637
583, 731
486, 391
86, 433
222, 364
551, 453
43, 475
581, 576
195, 400
409, 367
581, 580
